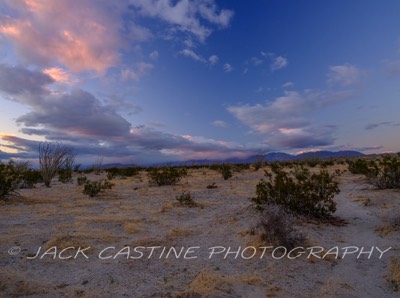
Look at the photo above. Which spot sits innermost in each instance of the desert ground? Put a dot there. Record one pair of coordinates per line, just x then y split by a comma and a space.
119, 229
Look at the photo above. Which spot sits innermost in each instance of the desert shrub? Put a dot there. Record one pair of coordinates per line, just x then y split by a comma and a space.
9, 180
258, 163
82, 180
166, 175
93, 188
312, 162
186, 199
52, 158
65, 176
276, 228
387, 174
26, 177
362, 166
224, 169
299, 191
29, 178
241, 166
122, 172
65, 170
327, 163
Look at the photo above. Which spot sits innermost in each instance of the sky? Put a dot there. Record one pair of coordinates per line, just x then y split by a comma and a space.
148, 81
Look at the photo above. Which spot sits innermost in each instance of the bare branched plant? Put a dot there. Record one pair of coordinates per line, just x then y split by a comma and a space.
52, 157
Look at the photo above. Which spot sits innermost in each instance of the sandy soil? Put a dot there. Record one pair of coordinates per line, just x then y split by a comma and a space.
133, 217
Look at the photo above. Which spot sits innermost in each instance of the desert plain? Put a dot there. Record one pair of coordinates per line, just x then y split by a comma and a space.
135, 240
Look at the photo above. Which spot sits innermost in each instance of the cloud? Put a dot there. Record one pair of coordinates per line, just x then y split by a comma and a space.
93, 127
304, 137
191, 54
345, 75
77, 113
154, 55
16, 80
213, 59
354, 148
393, 68
287, 85
59, 75
283, 120
219, 123
68, 33
279, 63
186, 16
256, 61
139, 70
227, 67
376, 125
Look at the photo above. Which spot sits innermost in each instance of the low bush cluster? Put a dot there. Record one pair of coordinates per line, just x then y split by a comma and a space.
299, 191
382, 173
14, 175
93, 188
224, 169
387, 174
362, 166
186, 199
122, 172
166, 175
8, 181
81, 180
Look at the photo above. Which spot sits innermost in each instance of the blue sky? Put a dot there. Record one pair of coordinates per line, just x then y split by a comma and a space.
145, 81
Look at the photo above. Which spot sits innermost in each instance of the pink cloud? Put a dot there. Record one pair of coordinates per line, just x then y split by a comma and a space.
81, 35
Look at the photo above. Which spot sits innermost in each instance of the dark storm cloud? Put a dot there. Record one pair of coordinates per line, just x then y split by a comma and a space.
78, 113
19, 81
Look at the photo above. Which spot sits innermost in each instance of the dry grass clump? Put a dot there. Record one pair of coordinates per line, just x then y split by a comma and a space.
208, 283
65, 241
394, 226
393, 276
23, 289
179, 232
131, 228
276, 228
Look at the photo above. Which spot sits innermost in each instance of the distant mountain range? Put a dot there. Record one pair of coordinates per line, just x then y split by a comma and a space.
269, 157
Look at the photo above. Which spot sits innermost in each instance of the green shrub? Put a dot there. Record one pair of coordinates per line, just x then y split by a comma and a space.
82, 180
186, 199
9, 180
26, 177
29, 178
327, 162
363, 166
299, 191
387, 174
93, 188
312, 162
259, 162
122, 172
166, 175
65, 176
224, 169
240, 167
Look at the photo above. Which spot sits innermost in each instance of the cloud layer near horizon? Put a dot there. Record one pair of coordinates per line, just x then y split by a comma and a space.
85, 122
